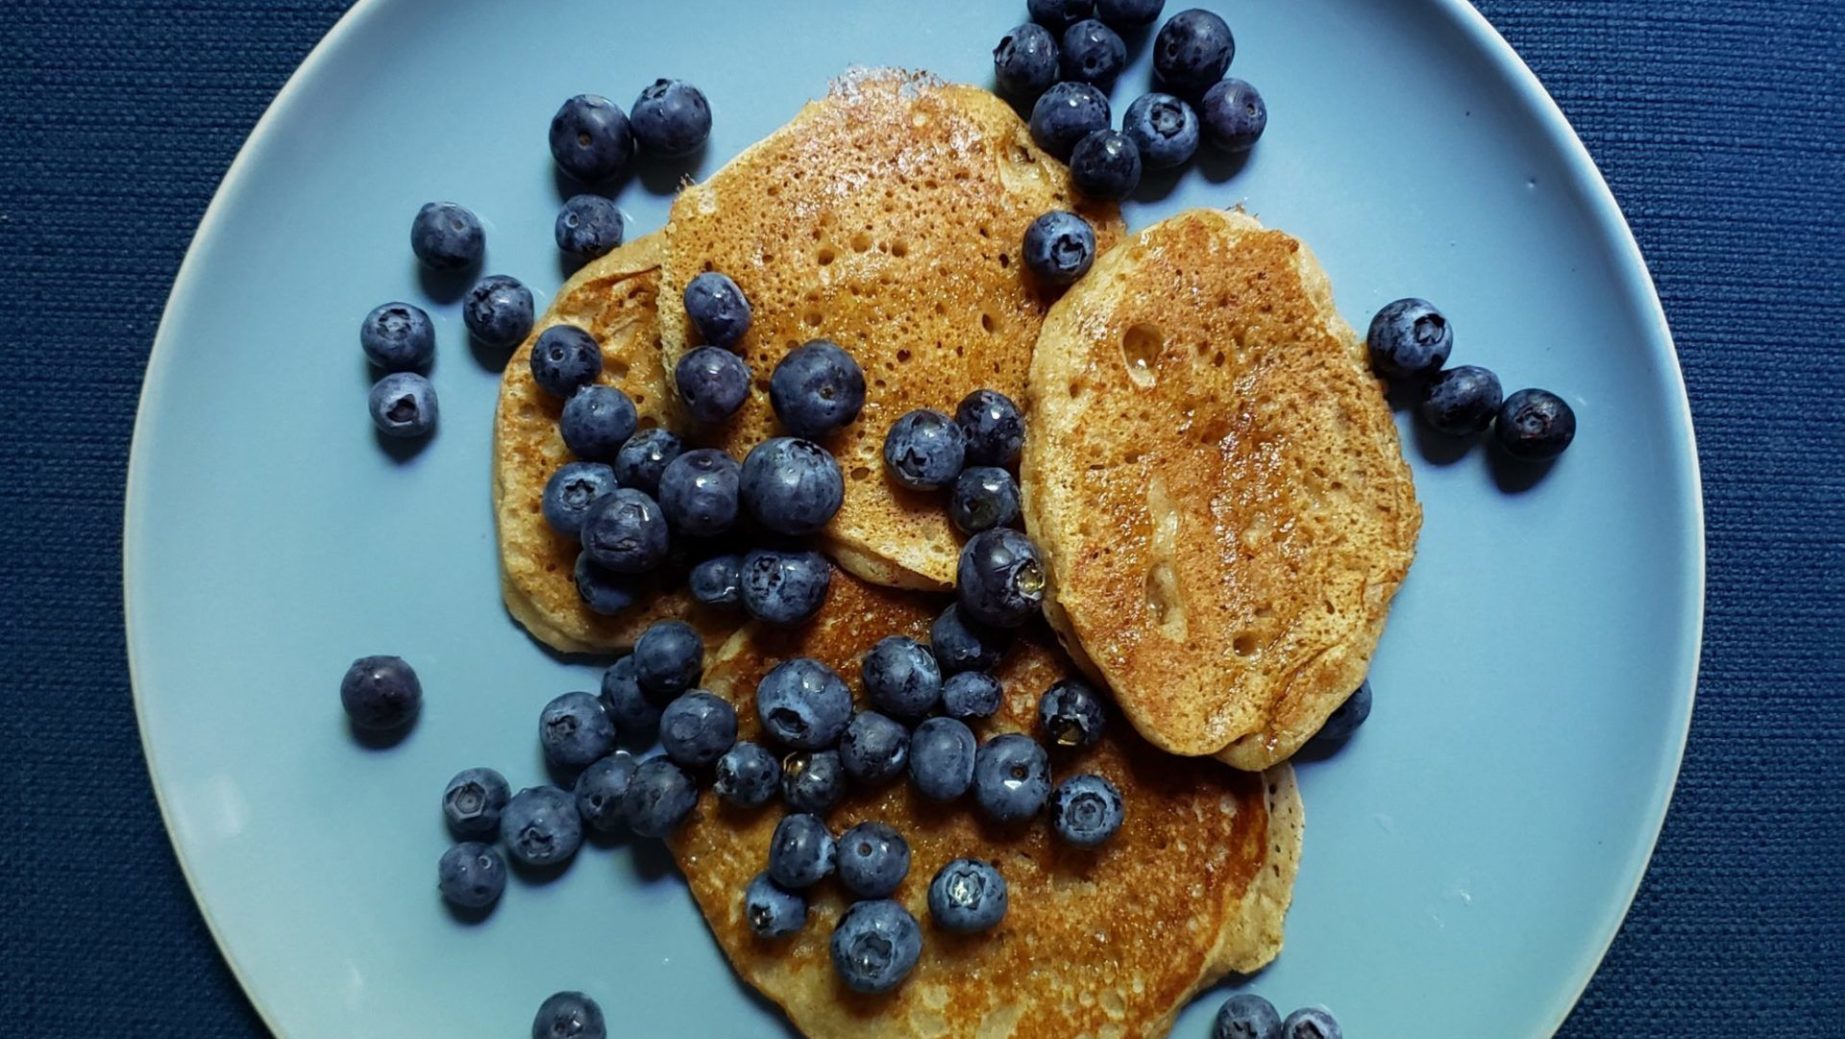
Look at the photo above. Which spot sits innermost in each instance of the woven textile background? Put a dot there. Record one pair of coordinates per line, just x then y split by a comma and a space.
1719, 125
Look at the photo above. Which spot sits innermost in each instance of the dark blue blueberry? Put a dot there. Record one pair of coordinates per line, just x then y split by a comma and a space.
671, 118
1246, 1016
636, 716
569, 1015
1461, 402
498, 311
792, 486
984, 497
875, 946
942, 758
644, 456
718, 581
712, 382
698, 492
1347, 717
380, 694
669, 658
565, 359
1000, 579
1092, 53
602, 590
471, 875
747, 775
447, 237
541, 827
1025, 61
770, 911
659, 798
574, 730
599, 791
803, 704
901, 677
718, 309
1012, 778
1086, 810
1164, 128
971, 694
1067, 113
784, 587
1234, 115
596, 422
473, 800
1410, 339
1106, 164
624, 531
1071, 714
403, 405
398, 337
961, 643
697, 728
874, 748
813, 781
1122, 13
571, 491
1059, 247
1192, 51
1059, 14
873, 860
588, 226
801, 853
590, 138
1535, 425
925, 450
967, 896
992, 428
1311, 1023
816, 389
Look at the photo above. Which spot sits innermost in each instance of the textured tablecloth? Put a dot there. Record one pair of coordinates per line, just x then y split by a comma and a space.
1718, 124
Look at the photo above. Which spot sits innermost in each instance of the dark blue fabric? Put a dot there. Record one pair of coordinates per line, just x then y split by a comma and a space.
1718, 123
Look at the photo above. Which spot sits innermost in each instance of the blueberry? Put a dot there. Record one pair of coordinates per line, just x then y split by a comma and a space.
1071, 714
873, 860
712, 382
636, 718
697, 728
784, 587
992, 428
1535, 425
447, 237
901, 677
803, 704
874, 748
574, 730
541, 827
875, 946
569, 1015
591, 139
596, 422
967, 896
816, 389
600, 789
984, 497
792, 486
718, 309
961, 643
565, 359
1311, 1023
942, 758
1067, 113
1106, 164
747, 775
498, 311
659, 798
1000, 578
971, 694
1012, 778
588, 226
398, 337
403, 405
644, 457
571, 491
1086, 810
1092, 53
1059, 247
1164, 128
813, 781
1410, 339
471, 875
924, 450
717, 581
1461, 402
1234, 115
671, 118
1128, 12
698, 492
1347, 717
669, 659
473, 800
1246, 1016
801, 853
770, 911
1059, 14
1025, 61
380, 694
602, 590
1192, 51
624, 531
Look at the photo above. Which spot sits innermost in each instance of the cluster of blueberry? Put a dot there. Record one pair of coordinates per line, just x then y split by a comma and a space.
1249, 1016
1065, 80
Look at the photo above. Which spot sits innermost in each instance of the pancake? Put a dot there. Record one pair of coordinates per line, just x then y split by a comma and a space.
1214, 477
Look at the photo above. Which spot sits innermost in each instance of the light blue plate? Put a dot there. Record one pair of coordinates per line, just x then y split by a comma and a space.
1469, 855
